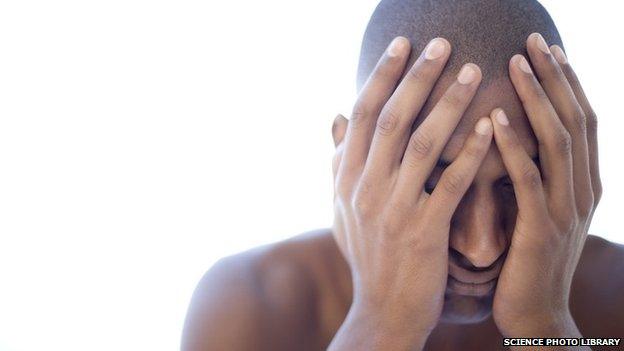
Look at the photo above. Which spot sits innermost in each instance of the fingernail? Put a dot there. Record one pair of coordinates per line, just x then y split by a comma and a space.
501, 118
541, 44
483, 127
560, 56
396, 47
434, 50
523, 64
467, 75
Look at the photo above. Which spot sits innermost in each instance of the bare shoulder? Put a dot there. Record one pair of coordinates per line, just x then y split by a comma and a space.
602, 256
264, 298
597, 300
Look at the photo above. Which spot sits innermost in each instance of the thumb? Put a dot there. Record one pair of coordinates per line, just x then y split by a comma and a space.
339, 129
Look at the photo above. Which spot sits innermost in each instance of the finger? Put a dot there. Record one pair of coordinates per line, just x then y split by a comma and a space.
569, 112
591, 122
336, 161
339, 128
524, 173
554, 140
372, 98
397, 116
458, 176
430, 138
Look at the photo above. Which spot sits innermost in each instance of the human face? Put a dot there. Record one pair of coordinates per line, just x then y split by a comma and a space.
480, 230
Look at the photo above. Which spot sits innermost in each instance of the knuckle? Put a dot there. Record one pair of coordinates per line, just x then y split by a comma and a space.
388, 121
585, 208
359, 114
597, 192
564, 220
563, 142
579, 121
570, 222
452, 98
454, 183
397, 209
591, 123
539, 96
341, 191
474, 152
420, 144
360, 205
419, 73
343, 188
530, 176
361, 201
422, 247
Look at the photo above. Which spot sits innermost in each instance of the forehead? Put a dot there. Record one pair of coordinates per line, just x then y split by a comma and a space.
490, 95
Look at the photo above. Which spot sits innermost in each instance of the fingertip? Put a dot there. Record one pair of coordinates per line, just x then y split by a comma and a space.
339, 127
512, 62
559, 54
475, 67
447, 44
519, 61
469, 73
494, 112
484, 126
437, 48
533, 39
398, 47
499, 115
337, 120
402, 38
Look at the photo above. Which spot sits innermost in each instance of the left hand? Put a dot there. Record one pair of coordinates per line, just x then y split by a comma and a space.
556, 204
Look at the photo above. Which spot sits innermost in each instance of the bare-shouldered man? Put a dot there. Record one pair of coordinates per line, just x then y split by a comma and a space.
465, 182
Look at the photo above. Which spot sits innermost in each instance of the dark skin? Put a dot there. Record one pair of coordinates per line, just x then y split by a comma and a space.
384, 282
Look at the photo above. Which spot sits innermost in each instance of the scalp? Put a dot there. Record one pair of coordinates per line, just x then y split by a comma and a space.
485, 32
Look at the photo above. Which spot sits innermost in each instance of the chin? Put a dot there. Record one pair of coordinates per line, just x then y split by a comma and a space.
461, 309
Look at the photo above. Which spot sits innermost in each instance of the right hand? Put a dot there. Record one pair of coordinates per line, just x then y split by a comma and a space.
393, 233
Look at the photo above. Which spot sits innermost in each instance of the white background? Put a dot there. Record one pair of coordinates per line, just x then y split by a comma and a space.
142, 140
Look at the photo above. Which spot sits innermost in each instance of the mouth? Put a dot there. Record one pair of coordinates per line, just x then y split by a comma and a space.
472, 281
469, 288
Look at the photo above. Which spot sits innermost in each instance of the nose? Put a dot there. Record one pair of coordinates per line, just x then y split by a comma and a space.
477, 229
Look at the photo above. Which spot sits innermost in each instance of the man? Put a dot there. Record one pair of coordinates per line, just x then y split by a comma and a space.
465, 182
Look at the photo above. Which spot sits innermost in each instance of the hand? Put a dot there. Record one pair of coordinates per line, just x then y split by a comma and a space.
555, 206
393, 234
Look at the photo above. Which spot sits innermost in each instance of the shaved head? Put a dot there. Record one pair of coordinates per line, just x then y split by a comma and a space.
485, 32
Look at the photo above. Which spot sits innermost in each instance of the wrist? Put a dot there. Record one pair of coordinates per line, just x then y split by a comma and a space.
367, 329
560, 325
396, 316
